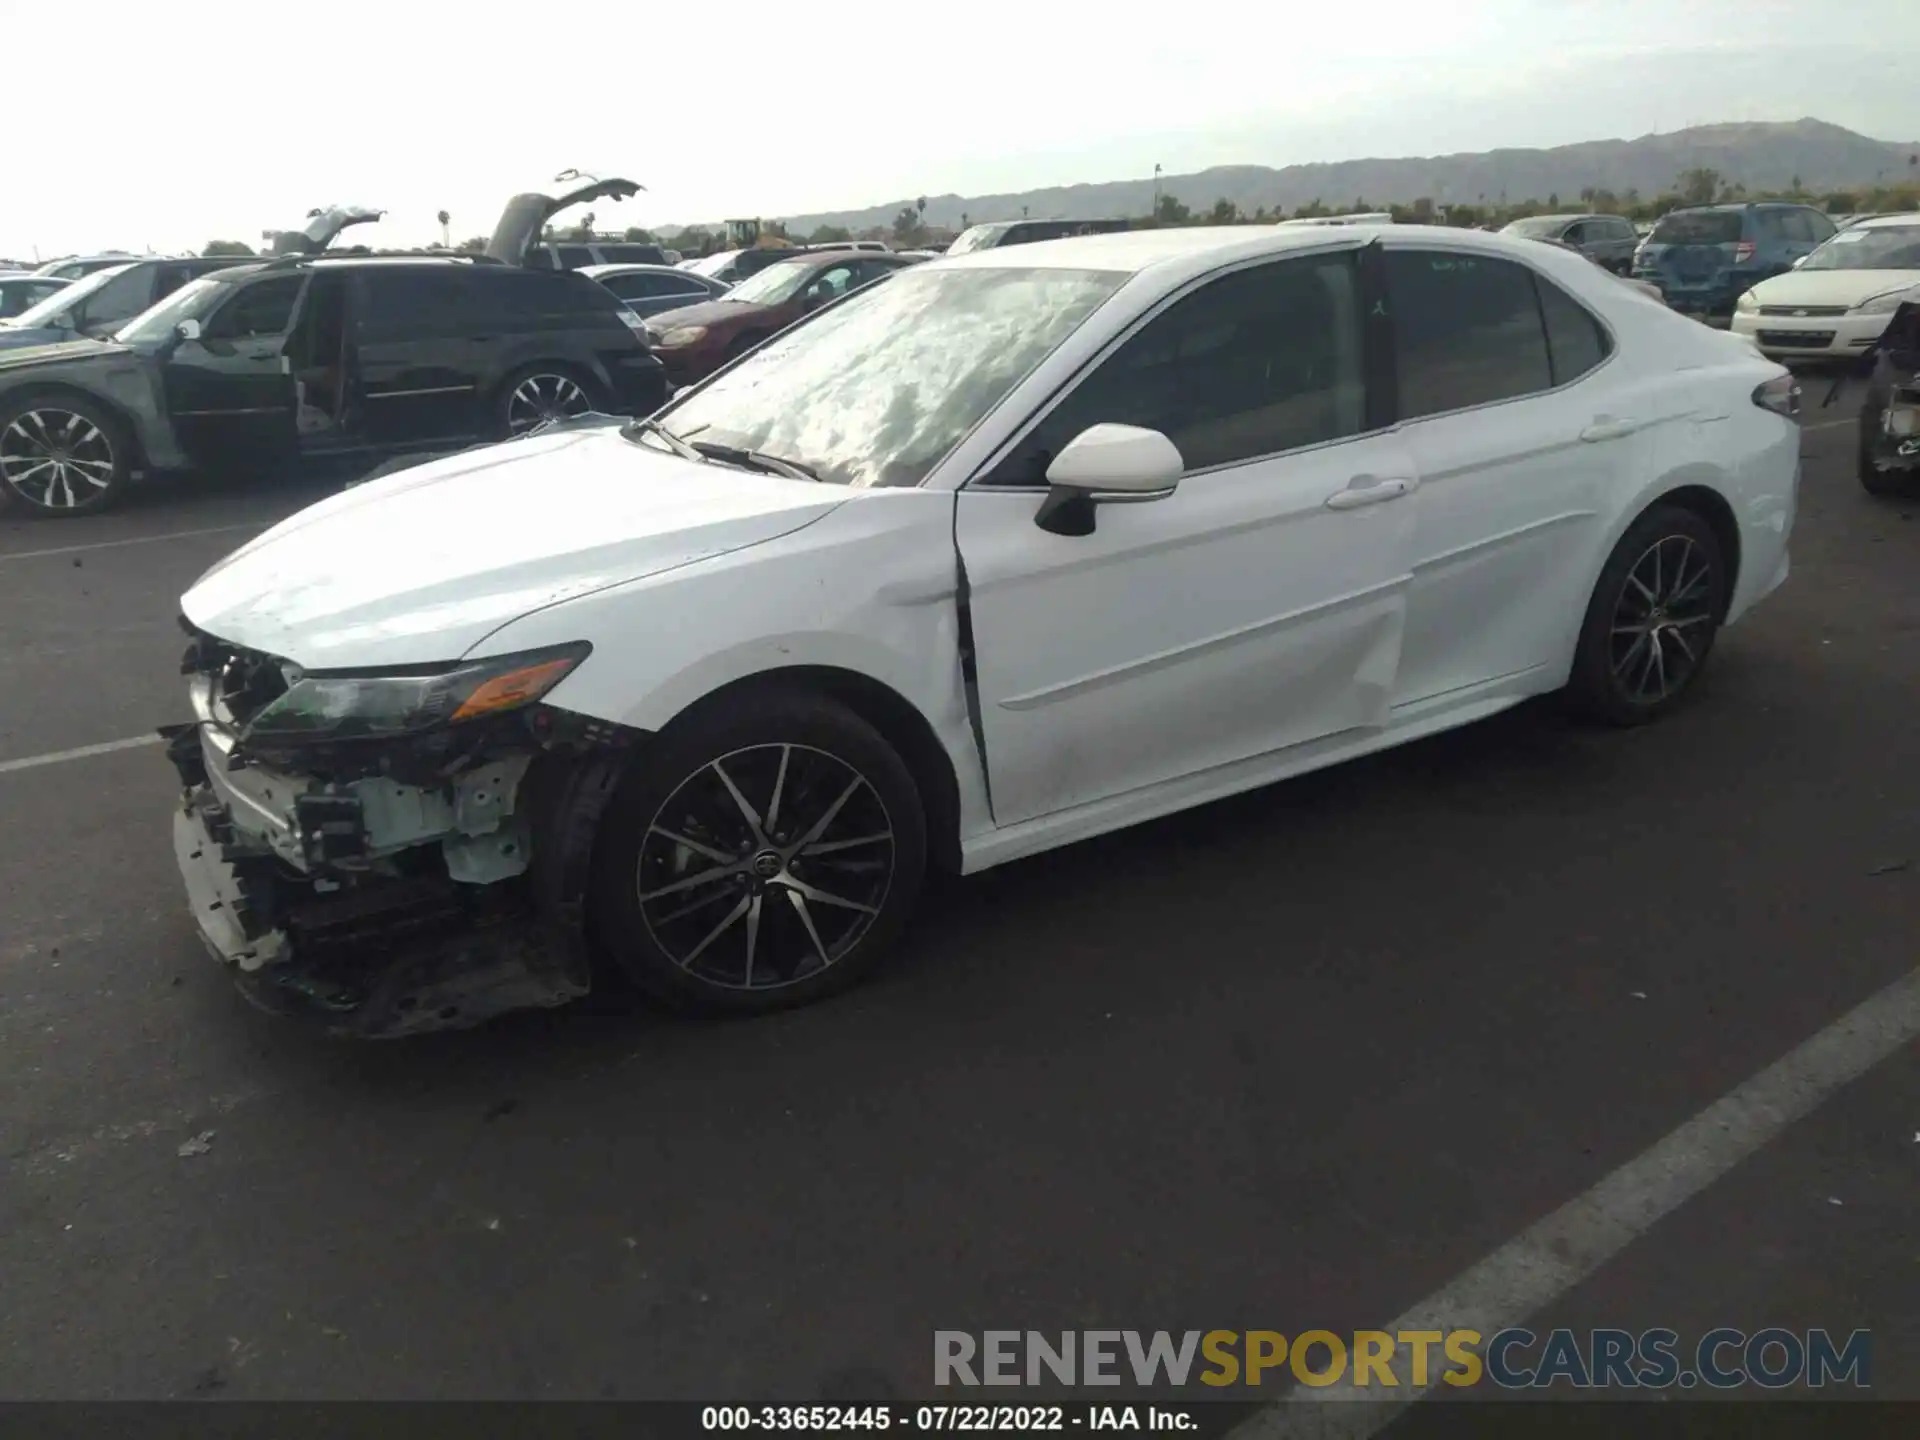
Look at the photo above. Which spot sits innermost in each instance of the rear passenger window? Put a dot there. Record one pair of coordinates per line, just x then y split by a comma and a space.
572, 257
534, 297
414, 302
1576, 341
1467, 331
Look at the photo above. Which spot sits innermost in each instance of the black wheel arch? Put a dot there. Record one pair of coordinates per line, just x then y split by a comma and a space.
1712, 507
900, 723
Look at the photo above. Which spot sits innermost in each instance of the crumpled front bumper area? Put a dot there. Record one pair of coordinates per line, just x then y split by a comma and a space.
377, 909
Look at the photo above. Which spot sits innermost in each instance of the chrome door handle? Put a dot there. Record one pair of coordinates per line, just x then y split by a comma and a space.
1369, 490
1607, 427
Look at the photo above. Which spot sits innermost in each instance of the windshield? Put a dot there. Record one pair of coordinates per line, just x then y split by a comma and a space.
61, 301
156, 323
713, 264
877, 390
774, 285
1698, 227
1883, 247
980, 237
1536, 227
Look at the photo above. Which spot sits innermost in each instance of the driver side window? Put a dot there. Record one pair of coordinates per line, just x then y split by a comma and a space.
262, 308
1258, 362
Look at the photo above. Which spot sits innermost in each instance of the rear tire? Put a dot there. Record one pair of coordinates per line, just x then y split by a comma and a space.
1652, 620
546, 391
763, 853
62, 455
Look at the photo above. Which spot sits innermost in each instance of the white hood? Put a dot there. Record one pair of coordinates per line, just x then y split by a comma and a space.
1832, 287
424, 564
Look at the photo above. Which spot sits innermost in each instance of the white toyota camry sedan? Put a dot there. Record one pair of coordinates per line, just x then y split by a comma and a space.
1010, 550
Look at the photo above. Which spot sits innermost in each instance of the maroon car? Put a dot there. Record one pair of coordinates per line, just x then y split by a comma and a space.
696, 340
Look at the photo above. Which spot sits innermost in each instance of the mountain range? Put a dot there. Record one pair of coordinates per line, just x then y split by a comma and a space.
1762, 155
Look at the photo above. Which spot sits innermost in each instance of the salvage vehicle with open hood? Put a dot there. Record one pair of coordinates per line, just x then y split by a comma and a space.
320, 357
1017, 548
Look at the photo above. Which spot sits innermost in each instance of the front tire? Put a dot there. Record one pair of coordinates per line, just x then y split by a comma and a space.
765, 852
62, 456
1652, 620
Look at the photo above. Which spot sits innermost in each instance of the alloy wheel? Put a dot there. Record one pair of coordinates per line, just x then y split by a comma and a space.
1662, 620
541, 399
55, 458
765, 867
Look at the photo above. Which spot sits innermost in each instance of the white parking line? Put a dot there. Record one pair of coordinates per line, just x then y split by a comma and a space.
1549, 1258
135, 540
60, 757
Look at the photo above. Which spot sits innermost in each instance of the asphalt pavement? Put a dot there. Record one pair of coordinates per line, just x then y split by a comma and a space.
1292, 1061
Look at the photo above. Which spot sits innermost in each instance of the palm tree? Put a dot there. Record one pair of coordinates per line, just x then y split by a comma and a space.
446, 242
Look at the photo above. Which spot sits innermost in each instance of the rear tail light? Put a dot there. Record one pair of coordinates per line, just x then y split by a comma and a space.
1743, 252
1781, 396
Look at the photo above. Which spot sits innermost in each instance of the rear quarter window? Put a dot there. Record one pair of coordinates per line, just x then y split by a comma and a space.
546, 300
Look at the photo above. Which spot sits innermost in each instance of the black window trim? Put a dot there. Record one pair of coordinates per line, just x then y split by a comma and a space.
1366, 281
1539, 277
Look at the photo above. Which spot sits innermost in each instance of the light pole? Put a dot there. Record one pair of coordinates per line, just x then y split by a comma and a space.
1156, 192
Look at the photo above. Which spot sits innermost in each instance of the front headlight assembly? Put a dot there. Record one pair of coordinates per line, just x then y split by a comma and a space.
353, 706
1746, 301
680, 335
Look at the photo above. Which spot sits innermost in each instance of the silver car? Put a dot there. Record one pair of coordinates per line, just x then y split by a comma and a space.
650, 289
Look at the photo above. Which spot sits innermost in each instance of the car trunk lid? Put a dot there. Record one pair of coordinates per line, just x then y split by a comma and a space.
321, 229
525, 218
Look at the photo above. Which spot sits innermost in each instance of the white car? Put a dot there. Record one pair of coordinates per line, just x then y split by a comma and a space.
1015, 549
1835, 303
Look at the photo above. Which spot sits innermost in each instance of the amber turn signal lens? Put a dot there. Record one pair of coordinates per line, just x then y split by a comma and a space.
516, 687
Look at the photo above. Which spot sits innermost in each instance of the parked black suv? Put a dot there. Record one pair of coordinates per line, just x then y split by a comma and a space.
341, 356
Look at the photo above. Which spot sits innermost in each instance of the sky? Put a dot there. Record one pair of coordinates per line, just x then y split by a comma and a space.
174, 132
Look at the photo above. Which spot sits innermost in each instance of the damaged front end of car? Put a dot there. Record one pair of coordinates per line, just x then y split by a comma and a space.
1895, 393
391, 853
1890, 415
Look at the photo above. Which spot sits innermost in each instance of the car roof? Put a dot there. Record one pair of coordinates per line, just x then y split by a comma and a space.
636, 268
1136, 250
1911, 217
334, 260
1197, 249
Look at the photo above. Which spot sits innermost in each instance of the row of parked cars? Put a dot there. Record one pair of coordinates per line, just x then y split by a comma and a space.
115, 367
1801, 284
125, 366
320, 355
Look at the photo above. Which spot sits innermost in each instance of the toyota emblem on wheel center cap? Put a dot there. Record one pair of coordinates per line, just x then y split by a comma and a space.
767, 864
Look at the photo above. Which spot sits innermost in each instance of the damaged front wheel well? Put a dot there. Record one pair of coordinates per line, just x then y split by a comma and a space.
899, 722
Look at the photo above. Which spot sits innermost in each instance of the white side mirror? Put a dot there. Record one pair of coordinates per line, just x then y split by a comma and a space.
1107, 465
188, 329
1121, 459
